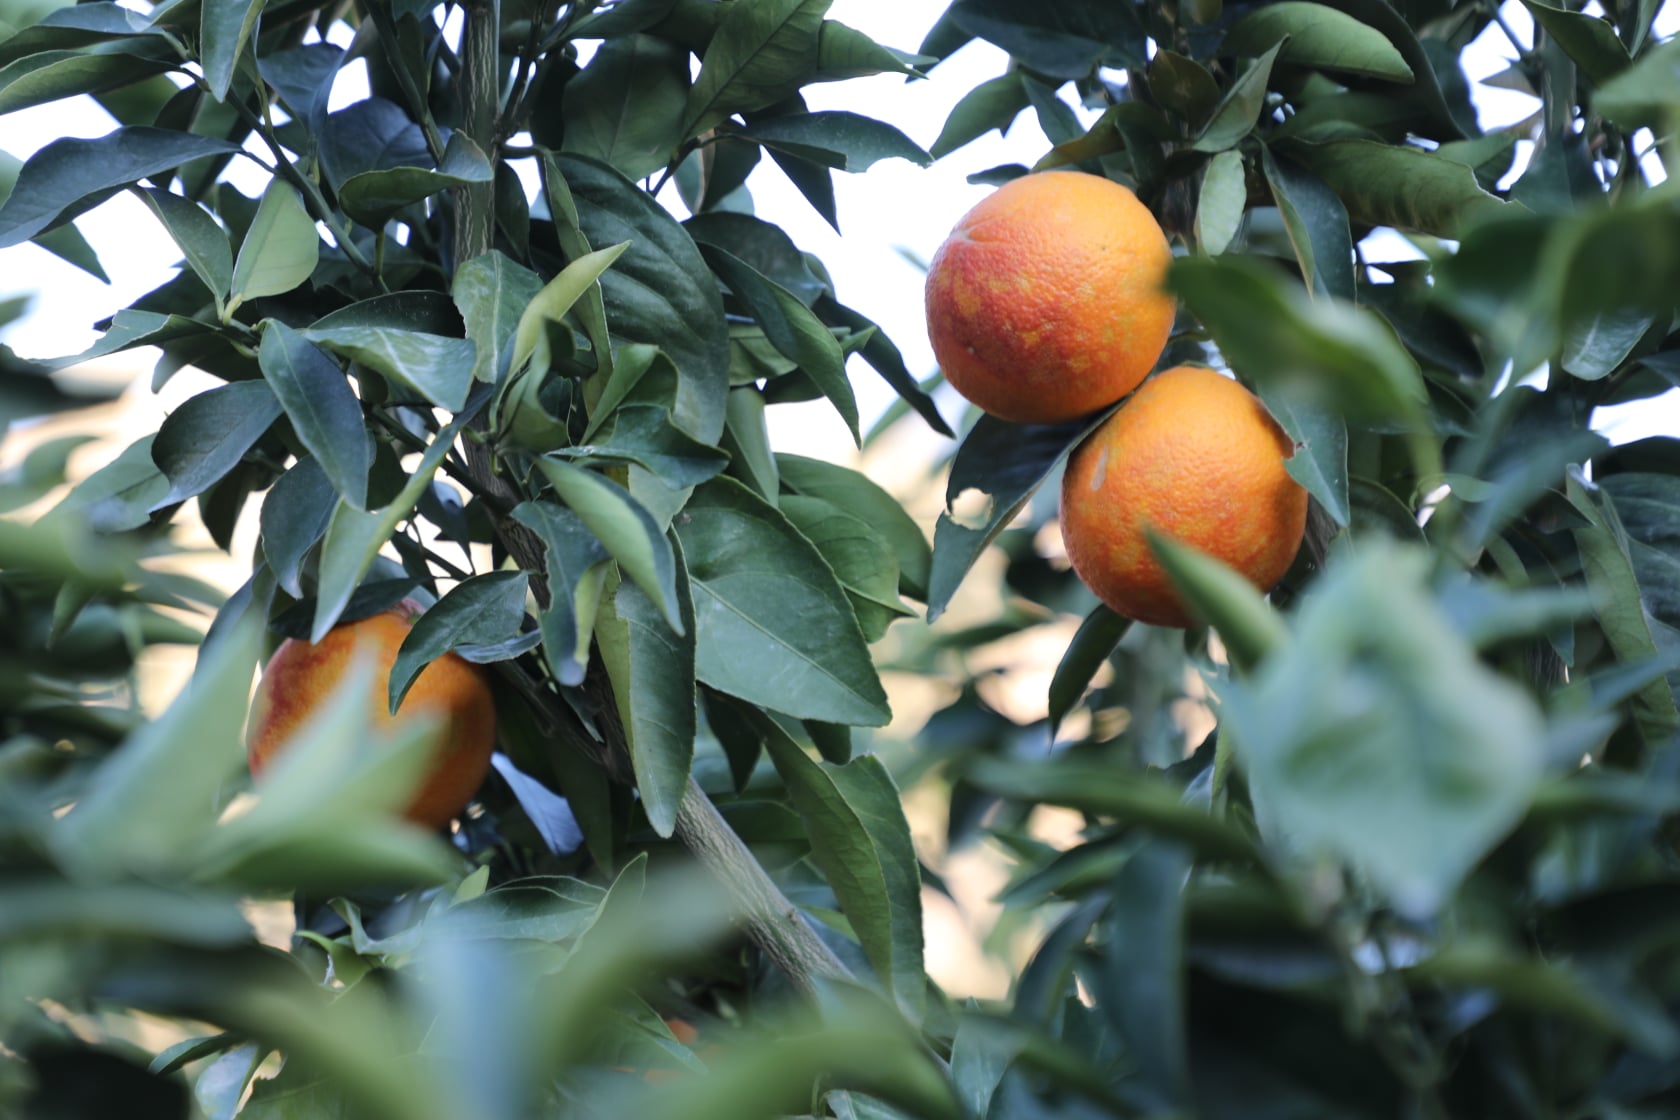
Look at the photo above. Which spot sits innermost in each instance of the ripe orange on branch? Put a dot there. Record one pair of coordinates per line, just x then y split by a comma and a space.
301, 676
1045, 303
1194, 456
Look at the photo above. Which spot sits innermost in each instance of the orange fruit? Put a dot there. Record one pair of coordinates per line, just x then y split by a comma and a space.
301, 676
1193, 456
1045, 303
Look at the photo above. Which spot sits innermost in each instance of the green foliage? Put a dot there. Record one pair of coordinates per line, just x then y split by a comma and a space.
1423, 865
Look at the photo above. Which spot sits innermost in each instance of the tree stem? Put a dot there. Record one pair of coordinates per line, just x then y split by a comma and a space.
475, 203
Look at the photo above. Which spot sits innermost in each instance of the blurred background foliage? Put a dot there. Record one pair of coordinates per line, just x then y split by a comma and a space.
1399, 843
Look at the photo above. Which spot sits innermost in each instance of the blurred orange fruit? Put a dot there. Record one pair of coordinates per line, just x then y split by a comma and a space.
1193, 456
301, 676
1045, 303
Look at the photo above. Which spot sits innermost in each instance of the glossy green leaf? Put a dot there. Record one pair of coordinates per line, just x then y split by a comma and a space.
1399, 186
1320, 436
626, 529
574, 564
40, 79
224, 27
322, 408
1317, 225
652, 668
867, 501
1237, 112
774, 626
838, 139
1060, 41
67, 176
643, 434
793, 329
1223, 200
202, 241
861, 560
65, 242
372, 197
482, 610
626, 108
294, 518
1225, 599
438, 369
993, 104
554, 300
280, 249
491, 293
759, 54
1320, 37
1588, 40
1143, 970
1099, 632
861, 840
209, 434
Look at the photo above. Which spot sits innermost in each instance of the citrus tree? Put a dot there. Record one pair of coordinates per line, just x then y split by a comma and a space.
497, 340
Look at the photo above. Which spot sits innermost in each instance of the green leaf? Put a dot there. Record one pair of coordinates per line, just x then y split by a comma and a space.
1645, 94
70, 175
1007, 462
660, 291
1589, 41
130, 328
280, 249
372, 197
209, 434
322, 408
575, 563
355, 537
1378, 737
121, 494
643, 434
554, 300
863, 499
1098, 634
759, 54
1182, 86
1274, 333
774, 626
65, 242
1317, 225
1142, 973
225, 26
1321, 441
438, 369
203, 242
626, 107
793, 329
652, 671
1320, 37
40, 79
992, 104
148, 806
842, 140
1057, 40
1240, 108
861, 560
482, 610
845, 52
626, 529
1224, 199
1225, 599
1394, 185
295, 515
861, 840
491, 293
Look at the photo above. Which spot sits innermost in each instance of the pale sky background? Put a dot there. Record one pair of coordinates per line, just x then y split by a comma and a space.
893, 211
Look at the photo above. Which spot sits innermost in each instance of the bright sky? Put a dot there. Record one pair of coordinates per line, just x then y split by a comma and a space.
892, 211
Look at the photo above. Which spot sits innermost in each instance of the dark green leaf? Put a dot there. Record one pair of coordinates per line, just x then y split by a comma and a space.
1240, 108
990, 105
209, 434
492, 292
483, 610
575, 567
863, 499
774, 626
438, 369
1321, 440
1143, 969
1317, 224
1095, 639
626, 108
40, 79
861, 560
1588, 40
1319, 37
861, 840
224, 28
202, 241
294, 517
65, 177
371, 197
660, 291
793, 329
1058, 40
643, 434
1394, 185
759, 54
322, 408
652, 669
842, 140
